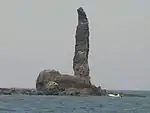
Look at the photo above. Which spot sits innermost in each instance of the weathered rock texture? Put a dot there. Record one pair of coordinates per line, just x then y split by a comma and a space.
60, 80
53, 82
80, 60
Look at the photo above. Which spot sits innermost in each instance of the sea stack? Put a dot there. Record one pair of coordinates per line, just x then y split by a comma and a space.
52, 82
80, 60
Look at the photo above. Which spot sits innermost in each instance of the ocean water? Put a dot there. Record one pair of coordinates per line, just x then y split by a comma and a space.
74, 104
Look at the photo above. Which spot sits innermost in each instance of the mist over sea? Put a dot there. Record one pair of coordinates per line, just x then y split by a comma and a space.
75, 104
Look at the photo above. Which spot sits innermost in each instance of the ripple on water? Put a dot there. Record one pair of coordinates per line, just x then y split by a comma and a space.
67, 104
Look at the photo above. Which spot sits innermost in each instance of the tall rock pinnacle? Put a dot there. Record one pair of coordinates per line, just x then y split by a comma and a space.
80, 60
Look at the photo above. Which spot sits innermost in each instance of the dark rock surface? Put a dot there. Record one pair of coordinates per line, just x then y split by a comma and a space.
11, 91
80, 60
64, 92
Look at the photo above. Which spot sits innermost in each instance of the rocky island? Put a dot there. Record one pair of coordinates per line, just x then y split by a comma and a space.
52, 82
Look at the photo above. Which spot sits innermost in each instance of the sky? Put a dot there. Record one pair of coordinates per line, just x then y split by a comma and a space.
40, 34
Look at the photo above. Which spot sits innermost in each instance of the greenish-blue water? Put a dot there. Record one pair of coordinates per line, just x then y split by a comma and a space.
70, 104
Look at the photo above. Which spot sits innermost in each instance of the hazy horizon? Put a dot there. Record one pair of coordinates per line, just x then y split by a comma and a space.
37, 35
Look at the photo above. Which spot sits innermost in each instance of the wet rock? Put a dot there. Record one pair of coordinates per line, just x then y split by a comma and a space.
72, 91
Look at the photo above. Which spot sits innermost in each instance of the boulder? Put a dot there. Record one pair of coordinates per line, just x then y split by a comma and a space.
49, 79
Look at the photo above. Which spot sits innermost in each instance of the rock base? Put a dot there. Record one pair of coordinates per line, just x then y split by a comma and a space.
52, 82
60, 92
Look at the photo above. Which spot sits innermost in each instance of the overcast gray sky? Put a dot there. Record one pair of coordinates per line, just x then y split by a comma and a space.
39, 34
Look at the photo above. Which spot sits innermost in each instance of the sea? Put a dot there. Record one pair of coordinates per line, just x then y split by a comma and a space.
75, 104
